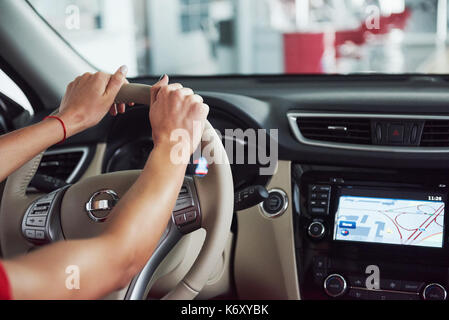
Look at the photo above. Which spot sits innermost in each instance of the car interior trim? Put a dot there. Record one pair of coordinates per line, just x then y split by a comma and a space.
293, 116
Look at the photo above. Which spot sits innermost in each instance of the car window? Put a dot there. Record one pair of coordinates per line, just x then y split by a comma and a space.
214, 37
10, 89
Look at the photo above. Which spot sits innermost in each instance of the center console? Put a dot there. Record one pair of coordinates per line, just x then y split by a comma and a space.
371, 234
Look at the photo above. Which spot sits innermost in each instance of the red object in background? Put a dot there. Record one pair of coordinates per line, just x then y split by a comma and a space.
356, 36
304, 52
399, 21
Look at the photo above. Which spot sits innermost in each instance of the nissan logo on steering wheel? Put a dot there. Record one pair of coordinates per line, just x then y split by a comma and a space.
100, 205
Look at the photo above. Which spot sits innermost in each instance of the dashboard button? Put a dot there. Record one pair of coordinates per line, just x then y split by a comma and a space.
319, 276
357, 281
359, 294
394, 285
396, 133
320, 262
318, 210
411, 286
388, 295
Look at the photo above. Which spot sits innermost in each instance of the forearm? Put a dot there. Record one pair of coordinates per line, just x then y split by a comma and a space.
19, 147
48, 273
141, 217
108, 262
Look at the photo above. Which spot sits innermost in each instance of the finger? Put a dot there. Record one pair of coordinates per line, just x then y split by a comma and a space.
187, 91
101, 79
163, 81
116, 82
174, 87
196, 98
113, 110
121, 108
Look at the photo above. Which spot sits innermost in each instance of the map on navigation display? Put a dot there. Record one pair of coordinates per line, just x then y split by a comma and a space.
390, 221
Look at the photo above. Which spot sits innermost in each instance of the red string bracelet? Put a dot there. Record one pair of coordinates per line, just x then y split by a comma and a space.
63, 126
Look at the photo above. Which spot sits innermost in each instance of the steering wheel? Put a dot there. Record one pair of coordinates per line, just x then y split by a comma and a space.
80, 211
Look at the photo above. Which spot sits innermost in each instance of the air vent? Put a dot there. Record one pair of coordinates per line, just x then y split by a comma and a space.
63, 164
435, 133
340, 130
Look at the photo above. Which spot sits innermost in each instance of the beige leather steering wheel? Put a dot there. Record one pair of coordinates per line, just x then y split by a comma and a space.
209, 205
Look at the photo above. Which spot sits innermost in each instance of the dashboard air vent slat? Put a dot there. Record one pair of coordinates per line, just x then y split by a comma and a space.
60, 165
340, 130
435, 134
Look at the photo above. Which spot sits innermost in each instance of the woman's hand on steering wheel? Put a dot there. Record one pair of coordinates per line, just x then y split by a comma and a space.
89, 98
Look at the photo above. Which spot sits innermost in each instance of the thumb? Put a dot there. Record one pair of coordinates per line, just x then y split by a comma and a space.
116, 81
163, 81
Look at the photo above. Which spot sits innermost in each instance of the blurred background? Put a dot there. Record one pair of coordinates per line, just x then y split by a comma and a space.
210, 37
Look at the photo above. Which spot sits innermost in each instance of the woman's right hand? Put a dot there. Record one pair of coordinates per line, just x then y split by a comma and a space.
175, 108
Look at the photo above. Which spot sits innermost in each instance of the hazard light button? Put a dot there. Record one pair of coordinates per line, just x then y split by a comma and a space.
396, 133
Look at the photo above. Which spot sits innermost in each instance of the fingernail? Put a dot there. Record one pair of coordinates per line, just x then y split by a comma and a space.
124, 70
162, 77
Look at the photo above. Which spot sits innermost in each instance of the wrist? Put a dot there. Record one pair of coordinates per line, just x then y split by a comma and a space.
74, 123
176, 155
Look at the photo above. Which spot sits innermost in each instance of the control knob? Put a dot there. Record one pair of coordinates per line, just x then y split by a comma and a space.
316, 230
335, 285
434, 291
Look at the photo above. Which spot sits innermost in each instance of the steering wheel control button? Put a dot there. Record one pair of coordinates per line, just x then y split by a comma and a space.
190, 216
319, 199
36, 221
183, 203
30, 234
335, 286
180, 220
40, 235
434, 291
316, 230
275, 205
186, 215
41, 223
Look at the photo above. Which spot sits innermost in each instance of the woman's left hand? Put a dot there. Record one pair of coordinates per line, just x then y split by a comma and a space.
89, 98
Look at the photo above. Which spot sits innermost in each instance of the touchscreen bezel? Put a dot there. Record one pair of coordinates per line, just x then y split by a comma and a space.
387, 193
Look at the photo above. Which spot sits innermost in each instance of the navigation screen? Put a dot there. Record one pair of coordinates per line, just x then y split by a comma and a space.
407, 222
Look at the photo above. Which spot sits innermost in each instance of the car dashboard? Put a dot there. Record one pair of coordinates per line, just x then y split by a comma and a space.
351, 154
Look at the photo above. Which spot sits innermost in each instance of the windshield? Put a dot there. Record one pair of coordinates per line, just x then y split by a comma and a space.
218, 37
